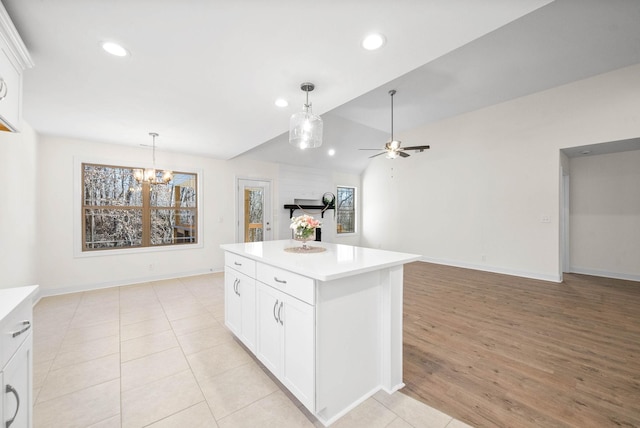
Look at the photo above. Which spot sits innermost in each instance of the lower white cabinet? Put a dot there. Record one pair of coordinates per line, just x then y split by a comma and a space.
328, 325
16, 387
240, 306
286, 343
16, 359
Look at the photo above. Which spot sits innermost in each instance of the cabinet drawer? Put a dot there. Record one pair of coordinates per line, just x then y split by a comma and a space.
291, 283
15, 329
241, 264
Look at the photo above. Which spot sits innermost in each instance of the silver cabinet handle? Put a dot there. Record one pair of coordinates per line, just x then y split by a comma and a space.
281, 281
237, 264
275, 317
12, 390
27, 326
4, 89
280, 310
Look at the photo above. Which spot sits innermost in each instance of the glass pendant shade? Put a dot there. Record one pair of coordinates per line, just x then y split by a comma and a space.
305, 130
150, 175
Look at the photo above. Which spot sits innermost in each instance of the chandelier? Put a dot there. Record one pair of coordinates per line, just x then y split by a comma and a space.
305, 128
151, 175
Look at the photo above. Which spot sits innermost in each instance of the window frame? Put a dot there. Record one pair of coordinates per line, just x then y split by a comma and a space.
78, 221
355, 210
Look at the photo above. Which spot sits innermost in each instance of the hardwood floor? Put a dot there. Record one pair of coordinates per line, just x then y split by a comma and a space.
501, 351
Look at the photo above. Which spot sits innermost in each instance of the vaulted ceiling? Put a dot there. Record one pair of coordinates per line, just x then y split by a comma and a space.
204, 74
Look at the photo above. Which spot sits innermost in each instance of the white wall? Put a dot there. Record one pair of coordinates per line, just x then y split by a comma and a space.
605, 215
476, 199
18, 208
61, 271
309, 183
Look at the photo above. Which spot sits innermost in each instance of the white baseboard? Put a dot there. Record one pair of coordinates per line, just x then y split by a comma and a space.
493, 269
606, 274
109, 284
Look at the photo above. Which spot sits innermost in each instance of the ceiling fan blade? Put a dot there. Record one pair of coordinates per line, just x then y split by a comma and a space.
381, 153
421, 148
403, 154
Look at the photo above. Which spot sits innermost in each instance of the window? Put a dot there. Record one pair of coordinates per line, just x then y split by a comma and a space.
346, 210
120, 212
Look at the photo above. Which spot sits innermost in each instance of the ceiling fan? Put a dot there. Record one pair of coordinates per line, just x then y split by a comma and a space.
394, 148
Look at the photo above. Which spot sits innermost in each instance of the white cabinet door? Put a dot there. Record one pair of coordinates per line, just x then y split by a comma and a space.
232, 302
286, 341
269, 349
10, 92
16, 389
240, 306
247, 289
298, 372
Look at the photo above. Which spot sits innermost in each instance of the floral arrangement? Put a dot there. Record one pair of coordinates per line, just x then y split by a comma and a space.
304, 226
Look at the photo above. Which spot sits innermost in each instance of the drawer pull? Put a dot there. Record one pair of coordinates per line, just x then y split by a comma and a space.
11, 389
237, 264
19, 332
281, 281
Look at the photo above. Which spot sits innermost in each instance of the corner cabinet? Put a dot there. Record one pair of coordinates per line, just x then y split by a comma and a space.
14, 59
16, 359
327, 325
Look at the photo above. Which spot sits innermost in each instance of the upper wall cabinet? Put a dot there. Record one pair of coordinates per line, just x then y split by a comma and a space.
14, 59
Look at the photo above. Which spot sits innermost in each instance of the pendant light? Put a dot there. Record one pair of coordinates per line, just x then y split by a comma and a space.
150, 175
305, 128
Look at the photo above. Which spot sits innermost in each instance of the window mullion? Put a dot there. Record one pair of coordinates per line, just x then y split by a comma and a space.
146, 214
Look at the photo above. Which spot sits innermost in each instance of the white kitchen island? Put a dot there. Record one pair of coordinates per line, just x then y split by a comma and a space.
328, 325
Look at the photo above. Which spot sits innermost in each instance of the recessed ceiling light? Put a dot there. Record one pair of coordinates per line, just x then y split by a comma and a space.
373, 41
114, 49
281, 102
332, 152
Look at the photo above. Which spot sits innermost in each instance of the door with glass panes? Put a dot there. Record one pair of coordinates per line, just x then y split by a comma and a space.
254, 210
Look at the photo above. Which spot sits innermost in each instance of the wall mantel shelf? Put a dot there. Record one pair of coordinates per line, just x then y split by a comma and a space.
323, 208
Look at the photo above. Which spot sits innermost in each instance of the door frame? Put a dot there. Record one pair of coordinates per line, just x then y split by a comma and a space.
565, 222
268, 206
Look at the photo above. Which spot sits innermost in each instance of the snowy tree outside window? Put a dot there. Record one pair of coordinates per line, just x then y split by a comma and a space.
346, 210
120, 212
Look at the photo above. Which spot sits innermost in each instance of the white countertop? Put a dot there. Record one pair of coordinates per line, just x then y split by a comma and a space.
12, 297
338, 261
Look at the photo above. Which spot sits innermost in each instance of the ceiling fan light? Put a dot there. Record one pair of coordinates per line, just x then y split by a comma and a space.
392, 154
394, 145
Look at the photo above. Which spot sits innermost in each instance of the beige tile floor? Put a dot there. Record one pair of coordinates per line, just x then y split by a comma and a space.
158, 355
